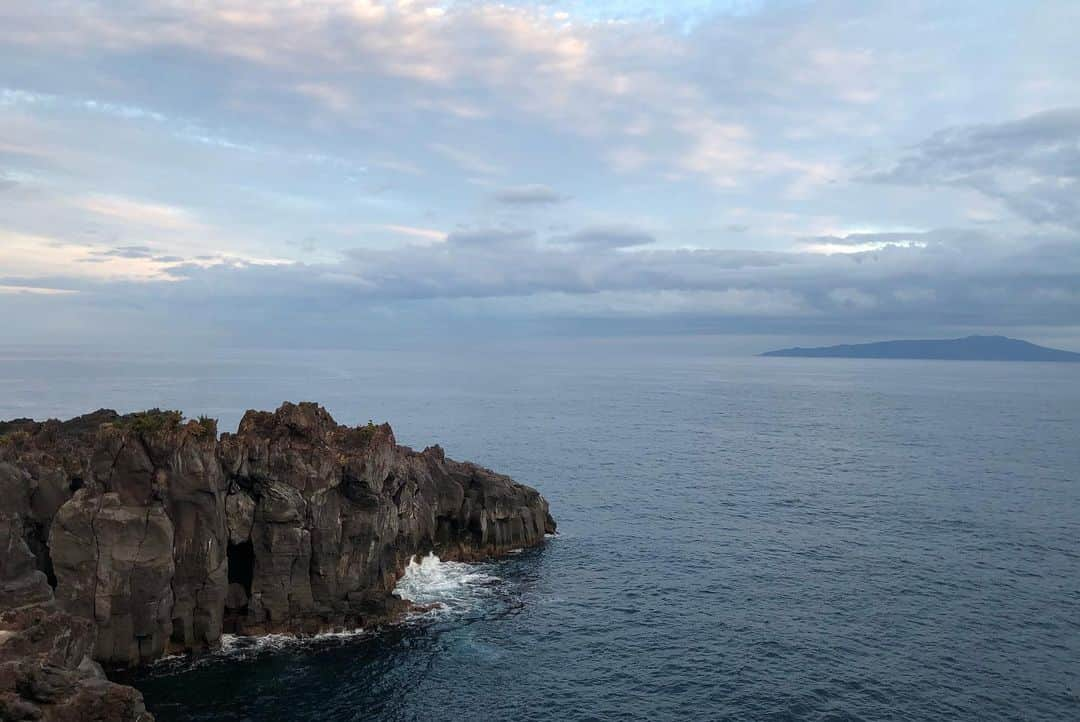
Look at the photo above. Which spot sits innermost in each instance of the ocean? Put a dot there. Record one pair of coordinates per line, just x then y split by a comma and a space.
739, 537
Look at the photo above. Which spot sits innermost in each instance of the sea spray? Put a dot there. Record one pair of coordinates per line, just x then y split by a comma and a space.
445, 587
238, 647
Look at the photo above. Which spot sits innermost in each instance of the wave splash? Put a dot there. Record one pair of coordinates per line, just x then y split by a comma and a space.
236, 645
445, 586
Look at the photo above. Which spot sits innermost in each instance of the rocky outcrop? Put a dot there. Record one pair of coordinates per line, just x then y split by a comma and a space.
321, 519
143, 535
46, 667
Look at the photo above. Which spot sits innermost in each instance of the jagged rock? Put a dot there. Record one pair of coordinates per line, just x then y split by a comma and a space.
162, 536
239, 516
21, 583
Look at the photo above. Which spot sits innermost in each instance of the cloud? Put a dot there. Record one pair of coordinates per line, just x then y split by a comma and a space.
467, 161
647, 95
493, 278
730, 303
607, 237
131, 252
136, 212
427, 233
529, 195
489, 238
1032, 165
353, 158
28, 260
127, 252
860, 242
33, 290
852, 298
952, 277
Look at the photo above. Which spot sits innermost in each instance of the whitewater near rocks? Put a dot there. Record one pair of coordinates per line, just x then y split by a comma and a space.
143, 535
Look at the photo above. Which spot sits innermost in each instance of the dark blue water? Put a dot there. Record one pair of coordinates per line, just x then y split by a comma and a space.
741, 538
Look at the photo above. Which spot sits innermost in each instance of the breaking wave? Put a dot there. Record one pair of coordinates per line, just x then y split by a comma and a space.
446, 587
237, 647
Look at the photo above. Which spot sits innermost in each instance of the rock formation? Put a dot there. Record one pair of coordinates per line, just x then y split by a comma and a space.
128, 537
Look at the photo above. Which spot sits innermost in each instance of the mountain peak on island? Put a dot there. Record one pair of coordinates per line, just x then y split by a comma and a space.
970, 348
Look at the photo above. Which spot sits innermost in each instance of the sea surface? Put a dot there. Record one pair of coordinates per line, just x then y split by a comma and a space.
740, 538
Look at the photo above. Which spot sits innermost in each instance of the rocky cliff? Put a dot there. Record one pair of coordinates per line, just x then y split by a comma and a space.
128, 537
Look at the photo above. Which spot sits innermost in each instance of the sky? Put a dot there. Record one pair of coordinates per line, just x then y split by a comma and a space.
335, 172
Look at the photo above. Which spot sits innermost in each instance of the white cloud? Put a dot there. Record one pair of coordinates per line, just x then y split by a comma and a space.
37, 257
140, 213
35, 290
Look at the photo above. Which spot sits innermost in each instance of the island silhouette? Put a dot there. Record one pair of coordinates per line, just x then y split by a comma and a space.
969, 348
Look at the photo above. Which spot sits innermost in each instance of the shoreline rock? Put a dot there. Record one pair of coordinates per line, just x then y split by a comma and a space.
144, 535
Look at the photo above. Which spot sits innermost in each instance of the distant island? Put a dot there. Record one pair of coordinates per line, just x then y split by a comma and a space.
971, 348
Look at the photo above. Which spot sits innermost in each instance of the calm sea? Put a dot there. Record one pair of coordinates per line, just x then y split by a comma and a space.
741, 538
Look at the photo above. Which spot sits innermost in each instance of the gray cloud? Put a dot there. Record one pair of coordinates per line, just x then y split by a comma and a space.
529, 195
949, 277
128, 252
948, 280
616, 236
131, 253
495, 237
1032, 165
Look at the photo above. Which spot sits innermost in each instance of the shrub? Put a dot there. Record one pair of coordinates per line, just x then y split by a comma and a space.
152, 421
360, 436
14, 438
204, 427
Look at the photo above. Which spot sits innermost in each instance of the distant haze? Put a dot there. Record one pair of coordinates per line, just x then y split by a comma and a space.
362, 173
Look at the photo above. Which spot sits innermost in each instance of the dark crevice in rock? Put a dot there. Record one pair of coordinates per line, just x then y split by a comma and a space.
242, 565
36, 535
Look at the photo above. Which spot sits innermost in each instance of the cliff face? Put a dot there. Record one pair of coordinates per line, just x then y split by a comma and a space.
47, 670
151, 535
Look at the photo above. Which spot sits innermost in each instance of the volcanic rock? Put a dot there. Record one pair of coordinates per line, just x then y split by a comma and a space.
128, 537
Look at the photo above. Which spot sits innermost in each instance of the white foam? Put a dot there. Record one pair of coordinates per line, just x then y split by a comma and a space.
447, 586
236, 647
242, 645
341, 634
